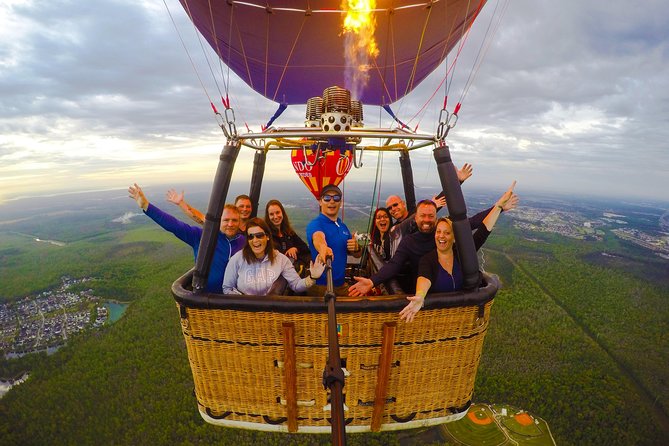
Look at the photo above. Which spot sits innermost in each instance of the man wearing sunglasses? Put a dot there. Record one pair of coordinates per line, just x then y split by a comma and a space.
328, 236
397, 208
404, 222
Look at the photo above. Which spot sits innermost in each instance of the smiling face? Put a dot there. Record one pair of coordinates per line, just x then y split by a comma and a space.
275, 215
257, 240
443, 236
382, 221
397, 207
330, 207
229, 222
426, 217
245, 207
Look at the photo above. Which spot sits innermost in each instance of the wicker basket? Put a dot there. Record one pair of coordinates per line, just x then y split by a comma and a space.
258, 361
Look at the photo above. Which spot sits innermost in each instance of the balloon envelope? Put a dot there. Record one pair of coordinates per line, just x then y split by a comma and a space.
291, 50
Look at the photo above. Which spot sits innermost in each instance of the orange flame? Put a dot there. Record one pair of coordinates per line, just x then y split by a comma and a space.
359, 44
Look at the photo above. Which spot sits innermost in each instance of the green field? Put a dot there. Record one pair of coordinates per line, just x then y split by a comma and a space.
578, 344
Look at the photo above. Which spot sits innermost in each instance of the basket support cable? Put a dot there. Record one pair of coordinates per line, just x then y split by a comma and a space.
333, 375
385, 361
407, 181
290, 374
457, 210
259, 161
212, 221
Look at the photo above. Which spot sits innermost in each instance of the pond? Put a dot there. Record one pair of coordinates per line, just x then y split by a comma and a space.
116, 310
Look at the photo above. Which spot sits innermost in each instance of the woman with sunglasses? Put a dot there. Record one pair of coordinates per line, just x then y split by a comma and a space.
381, 233
254, 269
285, 239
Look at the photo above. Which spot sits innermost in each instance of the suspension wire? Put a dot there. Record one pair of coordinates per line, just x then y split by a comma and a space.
461, 45
290, 55
232, 19
197, 74
376, 197
465, 31
412, 78
390, 38
225, 100
204, 52
226, 80
266, 55
413, 71
483, 50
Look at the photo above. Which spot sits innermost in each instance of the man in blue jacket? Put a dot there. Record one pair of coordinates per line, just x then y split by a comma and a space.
230, 240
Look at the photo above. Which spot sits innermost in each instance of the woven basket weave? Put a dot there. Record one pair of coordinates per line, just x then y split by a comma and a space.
238, 350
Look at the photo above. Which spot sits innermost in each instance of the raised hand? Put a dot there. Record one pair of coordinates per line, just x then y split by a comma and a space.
439, 201
465, 172
352, 243
511, 203
135, 192
506, 198
174, 197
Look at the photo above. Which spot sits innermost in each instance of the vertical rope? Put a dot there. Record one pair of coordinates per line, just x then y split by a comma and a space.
292, 49
420, 46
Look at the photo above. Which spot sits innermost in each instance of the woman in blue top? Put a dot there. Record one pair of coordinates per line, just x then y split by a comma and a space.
439, 270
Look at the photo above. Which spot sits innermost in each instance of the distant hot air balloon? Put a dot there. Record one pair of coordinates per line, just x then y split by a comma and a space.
317, 167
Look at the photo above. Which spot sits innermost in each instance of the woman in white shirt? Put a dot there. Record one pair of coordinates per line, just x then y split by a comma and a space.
254, 269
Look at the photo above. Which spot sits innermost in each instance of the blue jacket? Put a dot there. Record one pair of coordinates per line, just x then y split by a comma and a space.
191, 235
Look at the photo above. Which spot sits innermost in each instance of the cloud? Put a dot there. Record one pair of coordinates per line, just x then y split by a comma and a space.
570, 96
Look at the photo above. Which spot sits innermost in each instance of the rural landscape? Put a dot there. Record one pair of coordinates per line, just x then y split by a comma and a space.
578, 333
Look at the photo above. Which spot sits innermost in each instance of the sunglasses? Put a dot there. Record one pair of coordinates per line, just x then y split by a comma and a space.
394, 205
258, 235
327, 198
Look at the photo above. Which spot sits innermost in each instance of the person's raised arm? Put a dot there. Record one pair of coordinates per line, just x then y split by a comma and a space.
506, 202
463, 173
364, 285
178, 199
321, 245
135, 192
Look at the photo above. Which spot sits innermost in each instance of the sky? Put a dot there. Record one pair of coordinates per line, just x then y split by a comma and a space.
571, 98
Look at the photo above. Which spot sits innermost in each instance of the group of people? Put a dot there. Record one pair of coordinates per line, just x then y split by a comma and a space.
252, 253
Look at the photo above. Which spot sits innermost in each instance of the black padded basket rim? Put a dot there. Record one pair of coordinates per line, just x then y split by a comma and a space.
185, 297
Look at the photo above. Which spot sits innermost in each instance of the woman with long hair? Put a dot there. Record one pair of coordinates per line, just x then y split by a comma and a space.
254, 269
284, 237
381, 232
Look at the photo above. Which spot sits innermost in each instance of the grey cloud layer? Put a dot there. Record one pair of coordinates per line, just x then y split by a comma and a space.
579, 86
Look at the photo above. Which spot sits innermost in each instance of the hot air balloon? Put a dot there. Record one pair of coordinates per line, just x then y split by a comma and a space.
290, 50
257, 361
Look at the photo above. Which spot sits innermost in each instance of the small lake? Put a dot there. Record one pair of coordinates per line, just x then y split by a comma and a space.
116, 310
